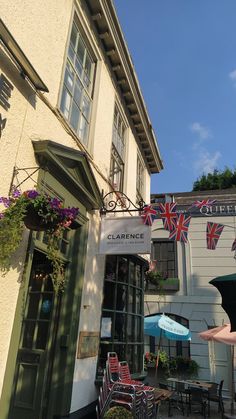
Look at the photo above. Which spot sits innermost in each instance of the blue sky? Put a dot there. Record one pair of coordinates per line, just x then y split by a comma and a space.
184, 53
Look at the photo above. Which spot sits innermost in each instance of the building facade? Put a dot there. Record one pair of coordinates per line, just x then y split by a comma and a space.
73, 124
187, 268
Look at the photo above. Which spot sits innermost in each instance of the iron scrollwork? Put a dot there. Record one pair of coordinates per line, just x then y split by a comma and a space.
117, 201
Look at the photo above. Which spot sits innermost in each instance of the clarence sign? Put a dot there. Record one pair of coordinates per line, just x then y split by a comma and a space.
126, 235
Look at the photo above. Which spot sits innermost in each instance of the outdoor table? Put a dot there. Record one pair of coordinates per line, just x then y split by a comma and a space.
202, 384
191, 383
161, 394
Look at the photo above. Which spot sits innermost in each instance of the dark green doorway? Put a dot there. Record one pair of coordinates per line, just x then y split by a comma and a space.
35, 354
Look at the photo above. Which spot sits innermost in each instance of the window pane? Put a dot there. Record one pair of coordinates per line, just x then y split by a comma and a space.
86, 106
122, 270
65, 102
73, 36
83, 129
138, 275
33, 306
79, 67
46, 307
121, 297
120, 327
109, 296
74, 119
28, 335
81, 50
87, 71
71, 53
165, 253
117, 155
69, 78
132, 273
138, 302
78, 92
42, 335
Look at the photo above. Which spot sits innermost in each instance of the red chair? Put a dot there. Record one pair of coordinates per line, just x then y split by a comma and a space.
112, 367
125, 376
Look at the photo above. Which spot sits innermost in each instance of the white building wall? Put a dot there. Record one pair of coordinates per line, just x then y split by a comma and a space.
35, 117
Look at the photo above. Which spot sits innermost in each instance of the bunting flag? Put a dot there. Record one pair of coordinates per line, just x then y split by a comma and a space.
205, 203
180, 231
233, 245
213, 231
148, 215
168, 215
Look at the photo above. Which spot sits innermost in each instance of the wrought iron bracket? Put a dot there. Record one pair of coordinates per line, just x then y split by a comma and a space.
117, 201
28, 175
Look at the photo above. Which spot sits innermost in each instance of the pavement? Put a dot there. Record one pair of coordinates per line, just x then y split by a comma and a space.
176, 414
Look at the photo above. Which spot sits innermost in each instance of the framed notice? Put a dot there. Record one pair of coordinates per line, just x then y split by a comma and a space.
88, 344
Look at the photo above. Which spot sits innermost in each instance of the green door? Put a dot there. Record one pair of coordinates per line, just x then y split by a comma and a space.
35, 354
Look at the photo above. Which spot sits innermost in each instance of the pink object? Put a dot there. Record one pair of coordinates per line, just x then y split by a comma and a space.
220, 334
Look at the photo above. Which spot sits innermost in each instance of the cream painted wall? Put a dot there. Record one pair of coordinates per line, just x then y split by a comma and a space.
42, 30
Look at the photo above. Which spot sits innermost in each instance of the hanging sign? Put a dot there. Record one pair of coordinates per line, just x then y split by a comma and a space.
126, 235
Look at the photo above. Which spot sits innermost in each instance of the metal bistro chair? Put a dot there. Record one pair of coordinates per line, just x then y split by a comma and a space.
197, 397
215, 395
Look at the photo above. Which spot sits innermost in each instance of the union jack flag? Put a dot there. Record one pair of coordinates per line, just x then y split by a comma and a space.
205, 203
168, 215
180, 232
233, 245
148, 215
213, 231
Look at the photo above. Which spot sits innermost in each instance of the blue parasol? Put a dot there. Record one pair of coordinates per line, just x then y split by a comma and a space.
164, 326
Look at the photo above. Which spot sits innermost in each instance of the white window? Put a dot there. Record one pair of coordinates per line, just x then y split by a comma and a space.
118, 151
139, 180
76, 100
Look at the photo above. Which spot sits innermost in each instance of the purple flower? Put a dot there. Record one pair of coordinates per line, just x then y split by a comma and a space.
5, 201
15, 192
55, 203
32, 194
68, 213
1, 215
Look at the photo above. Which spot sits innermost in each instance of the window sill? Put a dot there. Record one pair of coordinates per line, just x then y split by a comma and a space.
169, 284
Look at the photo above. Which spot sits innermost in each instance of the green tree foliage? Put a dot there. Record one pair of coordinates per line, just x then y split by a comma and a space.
217, 180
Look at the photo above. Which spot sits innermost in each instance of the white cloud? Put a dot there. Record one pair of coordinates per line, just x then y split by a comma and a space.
203, 132
206, 162
232, 76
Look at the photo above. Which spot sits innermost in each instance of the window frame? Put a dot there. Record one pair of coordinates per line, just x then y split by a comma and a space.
85, 93
127, 290
140, 179
118, 149
154, 256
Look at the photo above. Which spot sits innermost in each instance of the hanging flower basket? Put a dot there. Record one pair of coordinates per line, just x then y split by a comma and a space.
33, 221
38, 212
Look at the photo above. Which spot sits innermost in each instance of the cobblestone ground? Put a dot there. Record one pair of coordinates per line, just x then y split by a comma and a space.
176, 414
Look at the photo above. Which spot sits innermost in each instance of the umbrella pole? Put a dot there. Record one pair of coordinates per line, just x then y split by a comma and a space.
232, 380
158, 352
